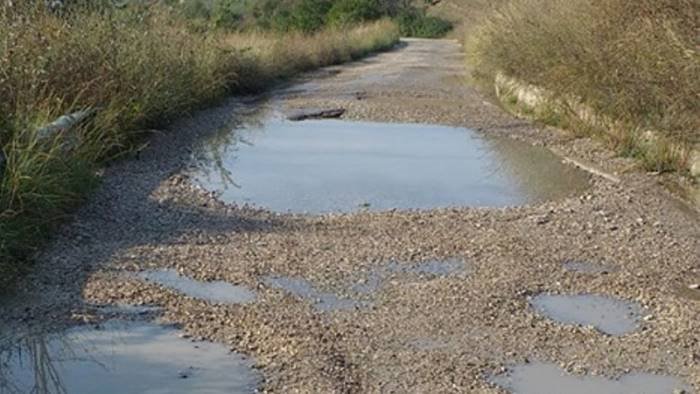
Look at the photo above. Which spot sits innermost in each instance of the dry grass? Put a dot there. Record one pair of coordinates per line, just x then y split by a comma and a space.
141, 68
635, 62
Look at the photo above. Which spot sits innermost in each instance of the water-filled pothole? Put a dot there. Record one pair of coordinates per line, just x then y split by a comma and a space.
323, 166
216, 292
428, 269
362, 290
608, 315
539, 378
122, 357
322, 301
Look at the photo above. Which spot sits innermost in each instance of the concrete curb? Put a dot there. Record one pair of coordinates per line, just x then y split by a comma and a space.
534, 98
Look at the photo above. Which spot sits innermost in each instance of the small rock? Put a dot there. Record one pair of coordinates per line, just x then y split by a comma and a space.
316, 114
544, 219
649, 317
694, 286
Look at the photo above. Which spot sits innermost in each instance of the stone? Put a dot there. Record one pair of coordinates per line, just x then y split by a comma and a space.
316, 114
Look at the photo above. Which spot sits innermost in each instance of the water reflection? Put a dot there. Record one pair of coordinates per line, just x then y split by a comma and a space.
608, 315
540, 378
217, 292
121, 357
325, 166
322, 301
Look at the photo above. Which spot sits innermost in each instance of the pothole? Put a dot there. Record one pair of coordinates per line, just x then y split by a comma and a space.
122, 357
540, 378
218, 292
362, 290
326, 166
608, 315
322, 301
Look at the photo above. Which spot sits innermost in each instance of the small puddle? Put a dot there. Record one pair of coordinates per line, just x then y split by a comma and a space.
539, 378
216, 292
608, 315
370, 283
323, 166
585, 267
429, 269
122, 357
322, 301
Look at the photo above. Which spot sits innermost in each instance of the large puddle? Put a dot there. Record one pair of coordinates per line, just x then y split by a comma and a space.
608, 315
217, 292
122, 357
322, 166
539, 378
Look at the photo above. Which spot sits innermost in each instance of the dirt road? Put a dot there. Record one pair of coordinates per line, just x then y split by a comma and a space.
443, 333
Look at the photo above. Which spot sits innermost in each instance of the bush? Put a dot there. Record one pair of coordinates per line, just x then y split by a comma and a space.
228, 14
346, 12
415, 23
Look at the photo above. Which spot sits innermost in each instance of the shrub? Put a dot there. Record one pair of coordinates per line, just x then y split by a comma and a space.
415, 23
346, 12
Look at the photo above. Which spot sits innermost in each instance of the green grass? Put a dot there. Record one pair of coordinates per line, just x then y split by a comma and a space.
636, 63
141, 67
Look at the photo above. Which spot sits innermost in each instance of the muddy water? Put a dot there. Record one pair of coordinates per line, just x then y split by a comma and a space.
323, 166
538, 378
611, 316
121, 357
217, 292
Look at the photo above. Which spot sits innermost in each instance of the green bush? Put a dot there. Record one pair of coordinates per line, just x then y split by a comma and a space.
346, 12
415, 23
228, 14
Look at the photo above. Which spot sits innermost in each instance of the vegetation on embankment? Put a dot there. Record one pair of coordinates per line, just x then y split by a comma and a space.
312, 15
140, 67
635, 63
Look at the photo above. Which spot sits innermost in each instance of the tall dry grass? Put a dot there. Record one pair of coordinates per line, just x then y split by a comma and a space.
633, 61
140, 68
